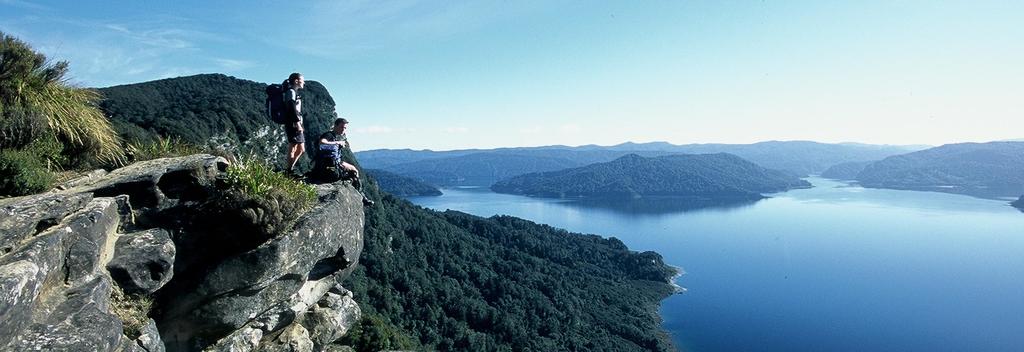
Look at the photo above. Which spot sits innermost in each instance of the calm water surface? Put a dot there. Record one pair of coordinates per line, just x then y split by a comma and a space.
832, 268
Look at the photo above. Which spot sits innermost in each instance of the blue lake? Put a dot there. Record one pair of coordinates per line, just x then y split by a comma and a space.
831, 268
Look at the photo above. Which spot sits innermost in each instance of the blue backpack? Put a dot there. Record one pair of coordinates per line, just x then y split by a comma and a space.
275, 103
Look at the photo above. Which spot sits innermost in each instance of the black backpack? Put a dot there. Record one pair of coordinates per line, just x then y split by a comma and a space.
275, 103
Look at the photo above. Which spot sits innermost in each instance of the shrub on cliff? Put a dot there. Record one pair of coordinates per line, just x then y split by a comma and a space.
260, 196
22, 173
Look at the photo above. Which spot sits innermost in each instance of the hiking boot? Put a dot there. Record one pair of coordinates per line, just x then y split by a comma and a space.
367, 202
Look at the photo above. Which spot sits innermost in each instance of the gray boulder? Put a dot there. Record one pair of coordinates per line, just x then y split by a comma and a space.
150, 339
158, 183
23, 217
331, 317
143, 261
81, 323
294, 338
55, 294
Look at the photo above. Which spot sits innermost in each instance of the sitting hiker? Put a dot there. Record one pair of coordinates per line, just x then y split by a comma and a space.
329, 165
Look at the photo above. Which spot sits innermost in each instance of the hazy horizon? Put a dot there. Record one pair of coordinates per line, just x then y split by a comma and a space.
680, 144
442, 76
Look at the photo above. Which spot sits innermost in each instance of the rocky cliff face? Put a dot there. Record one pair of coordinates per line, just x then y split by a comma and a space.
79, 267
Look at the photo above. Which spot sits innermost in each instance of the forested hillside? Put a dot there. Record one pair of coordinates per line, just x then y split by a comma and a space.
454, 281
994, 169
705, 176
211, 109
846, 171
400, 185
479, 168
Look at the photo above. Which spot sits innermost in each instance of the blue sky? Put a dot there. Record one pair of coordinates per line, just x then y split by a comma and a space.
449, 75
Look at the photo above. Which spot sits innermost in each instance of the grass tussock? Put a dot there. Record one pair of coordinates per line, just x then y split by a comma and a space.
258, 180
73, 116
132, 309
161, 148
37, 100
262, 201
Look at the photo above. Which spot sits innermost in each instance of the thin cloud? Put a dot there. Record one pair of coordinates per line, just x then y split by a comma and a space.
104, 53
233, 65
351, 28
24, 4
116, 28
455, 130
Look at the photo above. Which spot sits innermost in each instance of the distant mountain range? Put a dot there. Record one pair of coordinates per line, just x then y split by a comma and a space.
702, 176
994, 169
400, 185
486, 166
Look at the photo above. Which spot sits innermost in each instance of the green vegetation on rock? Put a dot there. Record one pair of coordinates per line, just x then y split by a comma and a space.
23, 172
269, 200
160, 148
132, 309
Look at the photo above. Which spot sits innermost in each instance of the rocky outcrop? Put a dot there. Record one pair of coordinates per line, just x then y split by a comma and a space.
149, 230
143, 261
1019, 203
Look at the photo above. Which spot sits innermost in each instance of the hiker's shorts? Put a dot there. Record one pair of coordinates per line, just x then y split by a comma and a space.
293, 135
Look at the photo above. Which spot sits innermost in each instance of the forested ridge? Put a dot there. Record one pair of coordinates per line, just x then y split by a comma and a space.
703, 176
455, 281
846, 171
994, 169
213, 110
400, 185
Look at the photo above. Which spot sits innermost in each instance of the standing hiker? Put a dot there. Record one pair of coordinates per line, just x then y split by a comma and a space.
293, 120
